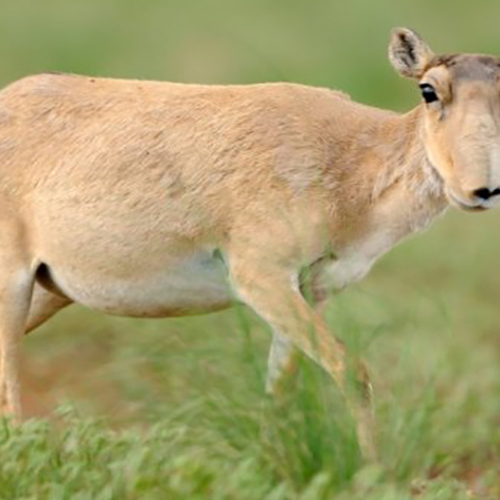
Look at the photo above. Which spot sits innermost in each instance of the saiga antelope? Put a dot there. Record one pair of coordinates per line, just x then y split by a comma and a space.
156, 199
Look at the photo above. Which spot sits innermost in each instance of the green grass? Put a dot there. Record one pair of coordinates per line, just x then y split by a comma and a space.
248, 455
176, 409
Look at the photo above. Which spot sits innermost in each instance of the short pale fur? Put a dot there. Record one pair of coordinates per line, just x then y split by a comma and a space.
157, 199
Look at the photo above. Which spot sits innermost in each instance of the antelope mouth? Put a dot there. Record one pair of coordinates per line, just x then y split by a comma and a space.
457, 202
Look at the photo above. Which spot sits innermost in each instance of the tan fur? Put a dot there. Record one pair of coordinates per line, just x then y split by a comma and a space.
160, 199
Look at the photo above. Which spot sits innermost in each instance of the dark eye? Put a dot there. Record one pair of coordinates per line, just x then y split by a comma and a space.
428, 93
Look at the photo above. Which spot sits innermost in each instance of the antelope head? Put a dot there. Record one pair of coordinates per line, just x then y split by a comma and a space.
460, 127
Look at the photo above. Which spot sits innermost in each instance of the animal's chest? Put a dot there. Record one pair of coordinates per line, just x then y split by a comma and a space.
354, 259
351, 265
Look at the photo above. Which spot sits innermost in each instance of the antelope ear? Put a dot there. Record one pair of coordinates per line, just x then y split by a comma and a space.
408, 53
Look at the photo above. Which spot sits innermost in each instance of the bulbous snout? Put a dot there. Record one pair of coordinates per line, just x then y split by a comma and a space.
478, 199
475, 176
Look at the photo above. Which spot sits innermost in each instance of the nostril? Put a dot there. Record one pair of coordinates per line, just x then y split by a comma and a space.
485, 193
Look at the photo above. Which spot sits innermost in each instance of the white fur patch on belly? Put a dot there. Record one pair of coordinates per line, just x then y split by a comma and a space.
195, 285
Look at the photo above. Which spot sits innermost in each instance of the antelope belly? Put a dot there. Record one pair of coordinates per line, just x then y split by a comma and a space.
194, 285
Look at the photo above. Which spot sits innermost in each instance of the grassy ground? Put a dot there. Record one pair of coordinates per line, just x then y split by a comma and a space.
175, 409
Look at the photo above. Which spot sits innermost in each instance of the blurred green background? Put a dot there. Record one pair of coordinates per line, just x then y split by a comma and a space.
427, 316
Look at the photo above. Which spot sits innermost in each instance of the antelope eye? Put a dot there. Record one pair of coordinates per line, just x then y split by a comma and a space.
428, 93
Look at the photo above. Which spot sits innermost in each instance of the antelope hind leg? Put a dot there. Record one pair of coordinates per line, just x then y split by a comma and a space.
16, 284
44, 305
